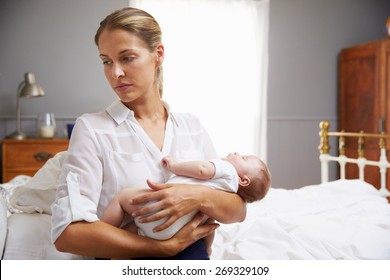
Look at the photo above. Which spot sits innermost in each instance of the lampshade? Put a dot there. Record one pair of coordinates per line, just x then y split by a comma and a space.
30, 88
27, 89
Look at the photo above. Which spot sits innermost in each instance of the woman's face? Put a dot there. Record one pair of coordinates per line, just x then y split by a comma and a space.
129, 66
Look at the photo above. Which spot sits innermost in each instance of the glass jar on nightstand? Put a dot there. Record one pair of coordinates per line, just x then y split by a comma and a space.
46, 126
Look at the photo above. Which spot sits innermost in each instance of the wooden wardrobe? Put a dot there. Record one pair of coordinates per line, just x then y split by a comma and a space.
364, 104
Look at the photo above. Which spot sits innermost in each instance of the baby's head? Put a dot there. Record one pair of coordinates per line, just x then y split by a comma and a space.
254, 176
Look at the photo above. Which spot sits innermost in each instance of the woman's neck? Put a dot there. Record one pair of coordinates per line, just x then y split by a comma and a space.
149, 111
148, 107
152, 117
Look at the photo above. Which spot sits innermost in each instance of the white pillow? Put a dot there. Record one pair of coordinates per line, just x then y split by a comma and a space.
38, 193
29, 239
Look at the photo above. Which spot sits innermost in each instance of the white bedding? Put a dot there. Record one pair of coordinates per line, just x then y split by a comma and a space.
345, 219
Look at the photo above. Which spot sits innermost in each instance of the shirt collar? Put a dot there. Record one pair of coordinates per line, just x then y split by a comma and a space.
119, 112
170, 114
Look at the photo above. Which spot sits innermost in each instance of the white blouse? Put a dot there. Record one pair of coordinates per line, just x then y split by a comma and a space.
110, 151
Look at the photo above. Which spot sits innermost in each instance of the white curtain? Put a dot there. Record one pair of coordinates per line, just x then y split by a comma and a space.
216, 61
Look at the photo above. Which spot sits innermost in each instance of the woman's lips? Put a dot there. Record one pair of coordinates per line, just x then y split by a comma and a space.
123, 87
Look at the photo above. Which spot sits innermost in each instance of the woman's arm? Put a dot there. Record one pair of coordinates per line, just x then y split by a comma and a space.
225, 207
102, 240
177, 200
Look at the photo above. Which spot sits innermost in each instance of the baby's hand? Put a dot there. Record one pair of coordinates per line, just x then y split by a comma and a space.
167, 162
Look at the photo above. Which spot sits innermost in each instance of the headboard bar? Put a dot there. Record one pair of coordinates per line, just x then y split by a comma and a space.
361, 161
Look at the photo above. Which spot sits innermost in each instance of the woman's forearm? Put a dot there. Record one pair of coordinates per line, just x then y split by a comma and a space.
102, 240
225, 207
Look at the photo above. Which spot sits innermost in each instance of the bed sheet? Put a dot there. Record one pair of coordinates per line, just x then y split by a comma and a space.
344, 219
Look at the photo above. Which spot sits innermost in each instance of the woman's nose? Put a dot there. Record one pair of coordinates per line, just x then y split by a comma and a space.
117, 71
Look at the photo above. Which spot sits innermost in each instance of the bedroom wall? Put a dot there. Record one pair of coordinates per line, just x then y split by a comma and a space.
306, 37
54, 39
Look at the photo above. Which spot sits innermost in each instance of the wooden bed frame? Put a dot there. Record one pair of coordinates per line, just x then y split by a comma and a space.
325, 157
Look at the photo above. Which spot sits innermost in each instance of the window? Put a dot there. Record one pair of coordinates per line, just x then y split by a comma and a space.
216, 66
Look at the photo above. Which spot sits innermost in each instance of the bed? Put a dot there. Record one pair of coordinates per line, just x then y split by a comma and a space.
342, 219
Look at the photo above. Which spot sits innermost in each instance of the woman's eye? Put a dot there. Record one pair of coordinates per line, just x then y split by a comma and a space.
128, 58
107, 62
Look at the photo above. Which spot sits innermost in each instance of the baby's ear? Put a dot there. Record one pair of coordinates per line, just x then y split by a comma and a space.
244, 181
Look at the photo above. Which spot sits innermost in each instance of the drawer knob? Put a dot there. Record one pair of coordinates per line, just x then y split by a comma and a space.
42, 156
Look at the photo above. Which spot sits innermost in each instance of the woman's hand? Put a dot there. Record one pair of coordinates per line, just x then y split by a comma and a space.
190, 233
172, 201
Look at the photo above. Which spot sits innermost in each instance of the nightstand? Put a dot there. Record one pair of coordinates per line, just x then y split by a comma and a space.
26, 157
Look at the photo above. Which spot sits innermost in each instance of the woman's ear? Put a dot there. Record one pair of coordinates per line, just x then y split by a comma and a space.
160, 53
244, 181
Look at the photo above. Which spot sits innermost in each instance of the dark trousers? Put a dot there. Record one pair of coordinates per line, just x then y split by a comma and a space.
196, 251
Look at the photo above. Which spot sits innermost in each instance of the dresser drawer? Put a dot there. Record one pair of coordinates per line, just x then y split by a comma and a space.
25, 157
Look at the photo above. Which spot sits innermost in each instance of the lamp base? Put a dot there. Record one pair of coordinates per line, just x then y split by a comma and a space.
17, 135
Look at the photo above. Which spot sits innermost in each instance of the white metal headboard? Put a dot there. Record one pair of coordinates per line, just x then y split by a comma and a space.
342, 159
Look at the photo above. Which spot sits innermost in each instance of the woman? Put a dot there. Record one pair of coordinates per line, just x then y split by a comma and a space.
123, 147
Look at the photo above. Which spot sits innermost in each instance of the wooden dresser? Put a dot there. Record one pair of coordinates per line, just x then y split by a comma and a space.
364, 100
25, 157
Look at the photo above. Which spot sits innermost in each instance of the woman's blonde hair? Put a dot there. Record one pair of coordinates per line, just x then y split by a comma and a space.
139, 23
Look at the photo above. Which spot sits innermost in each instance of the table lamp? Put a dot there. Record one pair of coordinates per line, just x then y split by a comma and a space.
27, 89
388, 27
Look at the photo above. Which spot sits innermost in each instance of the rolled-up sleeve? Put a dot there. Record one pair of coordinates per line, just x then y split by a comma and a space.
80, 181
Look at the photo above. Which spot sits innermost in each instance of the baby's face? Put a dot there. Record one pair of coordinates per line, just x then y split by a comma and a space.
244, 164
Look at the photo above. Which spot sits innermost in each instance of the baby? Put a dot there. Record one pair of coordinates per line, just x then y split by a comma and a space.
247, 176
